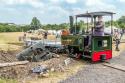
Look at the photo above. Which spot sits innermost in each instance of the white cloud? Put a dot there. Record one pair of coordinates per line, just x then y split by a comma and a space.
50, 11
34, 3
54, 14
68, 1
54, 1
99, 5
122, 0
71, 1
93, 2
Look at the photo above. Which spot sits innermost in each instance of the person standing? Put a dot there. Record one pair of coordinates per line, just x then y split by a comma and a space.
99, 27
121, 32
45, 35
24, 36
117, 40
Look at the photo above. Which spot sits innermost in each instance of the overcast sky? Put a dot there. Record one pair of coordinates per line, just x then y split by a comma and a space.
54, 11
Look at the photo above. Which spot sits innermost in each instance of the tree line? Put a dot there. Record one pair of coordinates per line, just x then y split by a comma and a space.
35, 24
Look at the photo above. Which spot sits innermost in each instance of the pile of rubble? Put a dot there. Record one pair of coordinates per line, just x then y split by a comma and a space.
33, 70
40, 62
7, 56
53, 65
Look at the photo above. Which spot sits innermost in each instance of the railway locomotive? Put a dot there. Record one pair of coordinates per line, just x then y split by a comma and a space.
77, 44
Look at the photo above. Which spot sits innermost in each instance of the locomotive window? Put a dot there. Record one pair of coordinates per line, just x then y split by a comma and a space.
105, 43
102, 43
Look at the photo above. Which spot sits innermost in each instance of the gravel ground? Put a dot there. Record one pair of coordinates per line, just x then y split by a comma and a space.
119, 59
7, 56
97, 73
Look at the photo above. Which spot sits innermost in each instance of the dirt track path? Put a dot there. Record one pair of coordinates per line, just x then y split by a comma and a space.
97, 73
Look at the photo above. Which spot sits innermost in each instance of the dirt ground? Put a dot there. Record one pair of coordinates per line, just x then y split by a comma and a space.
121, 47
7, 56
55, 77
22, 73
10, 46
98, 73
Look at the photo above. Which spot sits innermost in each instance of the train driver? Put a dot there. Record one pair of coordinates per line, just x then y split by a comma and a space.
99, 27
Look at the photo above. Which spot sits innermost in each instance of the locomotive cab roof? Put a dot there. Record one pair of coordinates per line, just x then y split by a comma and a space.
95, 14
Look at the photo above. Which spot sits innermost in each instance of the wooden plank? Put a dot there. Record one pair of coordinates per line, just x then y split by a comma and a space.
13, 63
115, 66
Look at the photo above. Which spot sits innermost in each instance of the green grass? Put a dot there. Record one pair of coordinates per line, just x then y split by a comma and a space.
3, 80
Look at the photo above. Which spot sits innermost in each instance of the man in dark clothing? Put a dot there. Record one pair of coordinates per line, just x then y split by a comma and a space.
99, 27
98, 30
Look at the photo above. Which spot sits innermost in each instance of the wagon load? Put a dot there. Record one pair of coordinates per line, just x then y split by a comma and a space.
40, 51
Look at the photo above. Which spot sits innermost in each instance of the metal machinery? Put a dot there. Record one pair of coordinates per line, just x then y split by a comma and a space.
100, 48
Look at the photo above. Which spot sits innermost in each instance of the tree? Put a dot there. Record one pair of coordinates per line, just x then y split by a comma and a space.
35, 24
121, 22
114, 23
55, 26
63, 26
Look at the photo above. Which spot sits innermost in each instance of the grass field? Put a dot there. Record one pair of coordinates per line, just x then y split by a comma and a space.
10, 41
10, 37
7, 80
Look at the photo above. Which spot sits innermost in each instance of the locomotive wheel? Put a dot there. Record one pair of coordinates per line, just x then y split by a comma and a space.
78, 56
70, 53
